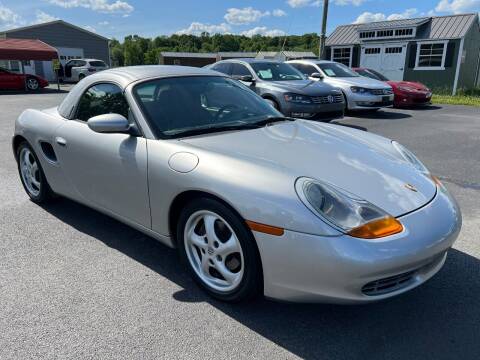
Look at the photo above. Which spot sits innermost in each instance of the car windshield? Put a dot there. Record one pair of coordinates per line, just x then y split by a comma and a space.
190, 105
372, 74
337, 70
272, 71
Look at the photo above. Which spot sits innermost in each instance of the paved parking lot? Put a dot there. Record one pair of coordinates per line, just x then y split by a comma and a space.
77, 284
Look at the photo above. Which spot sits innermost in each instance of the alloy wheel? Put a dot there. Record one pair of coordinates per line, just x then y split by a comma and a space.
214, 251
32, 84
30, 171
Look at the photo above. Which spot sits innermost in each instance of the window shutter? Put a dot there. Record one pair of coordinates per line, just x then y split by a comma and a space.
355, 56
412, 59
450, 53
328, 53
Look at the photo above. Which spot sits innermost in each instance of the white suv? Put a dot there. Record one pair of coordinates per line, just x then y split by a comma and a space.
360, 92
76, 69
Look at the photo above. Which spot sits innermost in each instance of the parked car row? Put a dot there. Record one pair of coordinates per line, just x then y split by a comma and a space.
319, 89
73, 71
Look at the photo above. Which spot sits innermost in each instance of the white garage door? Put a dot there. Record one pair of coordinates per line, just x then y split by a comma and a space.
388, 60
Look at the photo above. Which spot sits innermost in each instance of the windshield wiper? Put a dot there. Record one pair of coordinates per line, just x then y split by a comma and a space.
271, 120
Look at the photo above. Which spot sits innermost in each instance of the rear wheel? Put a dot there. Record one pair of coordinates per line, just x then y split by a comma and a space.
31, 174
273, 103
219, 250
32, 84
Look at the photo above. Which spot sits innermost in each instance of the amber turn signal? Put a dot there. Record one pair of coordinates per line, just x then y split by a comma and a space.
267, 229
377, 229
436, 180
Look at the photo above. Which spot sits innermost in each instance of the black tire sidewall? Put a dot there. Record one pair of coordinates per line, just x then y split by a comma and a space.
45, 191
252, 281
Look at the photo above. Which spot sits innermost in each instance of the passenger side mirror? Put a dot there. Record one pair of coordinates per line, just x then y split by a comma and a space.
109, 123
316, 75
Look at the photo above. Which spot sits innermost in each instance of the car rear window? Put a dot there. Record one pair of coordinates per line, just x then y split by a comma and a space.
98, 64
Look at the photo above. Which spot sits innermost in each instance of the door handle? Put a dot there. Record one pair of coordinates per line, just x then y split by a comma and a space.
61, 141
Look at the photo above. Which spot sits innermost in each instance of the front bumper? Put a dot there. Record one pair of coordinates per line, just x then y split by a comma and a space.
314, 111
412, 99
302, 267
368, 101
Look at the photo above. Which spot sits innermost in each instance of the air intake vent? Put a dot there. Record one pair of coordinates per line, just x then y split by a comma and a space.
48, 151
390, 284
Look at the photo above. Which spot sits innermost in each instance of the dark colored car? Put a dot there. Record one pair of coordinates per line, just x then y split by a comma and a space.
13, 81
285, 88
407, 93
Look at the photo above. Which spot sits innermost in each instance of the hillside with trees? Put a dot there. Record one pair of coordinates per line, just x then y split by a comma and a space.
136, 50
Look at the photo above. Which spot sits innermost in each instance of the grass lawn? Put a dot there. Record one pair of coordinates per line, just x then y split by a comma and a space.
456, 100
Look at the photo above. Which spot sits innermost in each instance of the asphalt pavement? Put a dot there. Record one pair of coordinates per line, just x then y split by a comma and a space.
76, 284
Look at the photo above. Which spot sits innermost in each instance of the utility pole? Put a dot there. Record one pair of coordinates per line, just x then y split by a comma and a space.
323, 34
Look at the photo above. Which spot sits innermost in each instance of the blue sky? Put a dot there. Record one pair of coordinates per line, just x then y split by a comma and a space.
117, 18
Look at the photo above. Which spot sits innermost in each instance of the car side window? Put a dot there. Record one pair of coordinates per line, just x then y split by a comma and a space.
222, 67
102, 99
240, 70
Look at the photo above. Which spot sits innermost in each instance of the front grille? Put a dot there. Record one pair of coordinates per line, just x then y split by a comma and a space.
390, 284
381, 91
329, 99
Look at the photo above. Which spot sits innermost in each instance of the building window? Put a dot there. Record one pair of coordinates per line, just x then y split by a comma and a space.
371, 51
342, 55
177, 62
404, 32
384, 33
431, 56
367, 34
393, 50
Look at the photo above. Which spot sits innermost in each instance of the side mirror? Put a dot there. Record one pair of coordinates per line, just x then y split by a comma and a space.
109, 123
316, 75
245, 78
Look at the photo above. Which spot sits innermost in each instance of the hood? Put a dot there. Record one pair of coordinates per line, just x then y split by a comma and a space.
304, 87
412, 84
360, 81
363, 164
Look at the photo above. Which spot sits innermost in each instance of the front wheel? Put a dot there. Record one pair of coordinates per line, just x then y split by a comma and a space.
219, 251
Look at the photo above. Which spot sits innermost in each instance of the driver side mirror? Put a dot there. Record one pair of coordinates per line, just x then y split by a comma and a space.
245, 78
109, 123
316, 75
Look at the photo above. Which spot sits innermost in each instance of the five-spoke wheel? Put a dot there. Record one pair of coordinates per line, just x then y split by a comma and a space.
219, 250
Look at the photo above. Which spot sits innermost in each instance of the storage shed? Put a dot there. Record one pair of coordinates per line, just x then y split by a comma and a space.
443, 51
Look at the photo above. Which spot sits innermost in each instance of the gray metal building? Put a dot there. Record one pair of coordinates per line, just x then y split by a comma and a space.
442, 52
71, 42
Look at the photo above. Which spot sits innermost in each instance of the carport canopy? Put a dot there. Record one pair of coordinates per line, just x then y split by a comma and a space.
26, 49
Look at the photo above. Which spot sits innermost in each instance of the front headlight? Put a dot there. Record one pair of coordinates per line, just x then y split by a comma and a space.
295, 98
359, 90
346, 212
410, 158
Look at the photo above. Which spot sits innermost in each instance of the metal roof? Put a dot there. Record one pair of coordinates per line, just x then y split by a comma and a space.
237, 54
188, 54
299, 54
393, 24
434, 28
35, 26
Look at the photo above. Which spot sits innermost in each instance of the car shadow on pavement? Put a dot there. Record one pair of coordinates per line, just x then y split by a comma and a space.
438, 320
380, 114
38, 92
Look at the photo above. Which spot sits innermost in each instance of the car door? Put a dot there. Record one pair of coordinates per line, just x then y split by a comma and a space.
8, 80
108, 171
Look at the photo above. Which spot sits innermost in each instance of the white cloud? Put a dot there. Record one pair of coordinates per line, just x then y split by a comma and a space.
43, 17
262, 30
197, 28
367, 16
318, 3
103, 23
279, 13
244, 16
9, 19
103, 6
457, 6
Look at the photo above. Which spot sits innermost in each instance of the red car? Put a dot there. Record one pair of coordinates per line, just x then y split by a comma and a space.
407, 93
12, 81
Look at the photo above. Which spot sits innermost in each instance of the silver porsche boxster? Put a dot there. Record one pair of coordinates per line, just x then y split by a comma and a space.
255, 202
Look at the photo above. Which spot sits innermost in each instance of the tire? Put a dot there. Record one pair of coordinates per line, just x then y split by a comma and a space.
37, 189
32, 84
273, 103
227, 270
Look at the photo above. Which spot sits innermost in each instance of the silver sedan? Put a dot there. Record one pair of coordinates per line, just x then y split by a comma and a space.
256, 203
